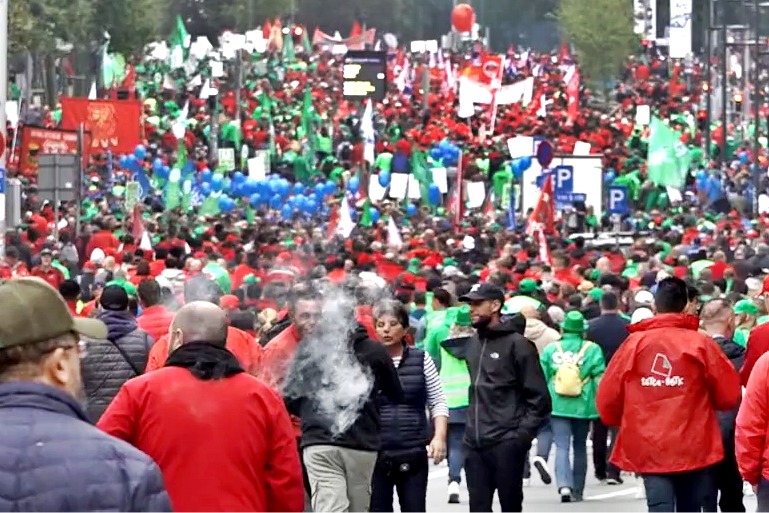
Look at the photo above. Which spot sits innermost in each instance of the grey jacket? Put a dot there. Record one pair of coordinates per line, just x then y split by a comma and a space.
105, 368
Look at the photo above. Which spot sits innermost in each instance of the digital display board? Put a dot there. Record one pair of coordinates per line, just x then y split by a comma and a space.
365, 74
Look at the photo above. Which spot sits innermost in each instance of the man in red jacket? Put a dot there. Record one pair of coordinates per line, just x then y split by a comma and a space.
47, 272
662, 389
155, 318
758, 345
221, 437
103, 239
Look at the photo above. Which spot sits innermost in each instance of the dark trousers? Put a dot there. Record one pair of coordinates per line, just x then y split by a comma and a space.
456, 451
727, 481
407, 474
497, 468
762, 496
681, 491
603, 468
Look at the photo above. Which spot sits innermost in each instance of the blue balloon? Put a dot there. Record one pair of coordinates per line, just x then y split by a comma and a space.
205, 189
140, 152
163, 172
298, 188
255, 200
123, 160
374, 212
384, 178
227, 184
217, 183
525, 163
744, 157
353, 185
249, 186
274, 185
609, 177
206, 175
226, 204
445, 145
436, 153
300, 202
283, 187
157, 164
238, 177
515, 167
276, 201
287, 212
320, 187
311, 207
411, 209
331, 188
433, 194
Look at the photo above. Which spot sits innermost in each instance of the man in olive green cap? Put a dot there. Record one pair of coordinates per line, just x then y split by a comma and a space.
573, 366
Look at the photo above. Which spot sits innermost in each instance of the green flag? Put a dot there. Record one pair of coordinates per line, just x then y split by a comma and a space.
288, 49
422, 174
306, 41
179, 36
210, 206
668, 158
365, 217
250, 217
307, 113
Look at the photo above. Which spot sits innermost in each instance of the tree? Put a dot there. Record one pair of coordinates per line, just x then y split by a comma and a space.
131, 25
602, 33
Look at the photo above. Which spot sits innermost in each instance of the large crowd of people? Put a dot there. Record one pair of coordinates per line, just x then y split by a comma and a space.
158, 336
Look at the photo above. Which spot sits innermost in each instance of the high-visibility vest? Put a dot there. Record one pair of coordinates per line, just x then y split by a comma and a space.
455, 378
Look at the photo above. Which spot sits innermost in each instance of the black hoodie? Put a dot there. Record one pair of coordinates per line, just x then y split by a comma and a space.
363, 435
509, 399
727, 419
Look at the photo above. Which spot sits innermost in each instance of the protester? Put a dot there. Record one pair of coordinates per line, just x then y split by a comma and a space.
402, 463
340, 467
45, 428
503, 364
239, 343
46, 271
455, 380
719, 321
609, 331
207, 461
573, 368
116, 358
156, 318
679, 379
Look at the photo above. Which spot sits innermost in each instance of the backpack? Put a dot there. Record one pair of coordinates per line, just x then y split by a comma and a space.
568, 378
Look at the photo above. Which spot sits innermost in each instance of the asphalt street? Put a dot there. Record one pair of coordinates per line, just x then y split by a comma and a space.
541, 497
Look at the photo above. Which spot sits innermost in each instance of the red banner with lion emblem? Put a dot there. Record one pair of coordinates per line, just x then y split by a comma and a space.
114, 124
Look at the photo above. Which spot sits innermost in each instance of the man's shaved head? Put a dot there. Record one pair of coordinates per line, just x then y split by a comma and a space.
201, 321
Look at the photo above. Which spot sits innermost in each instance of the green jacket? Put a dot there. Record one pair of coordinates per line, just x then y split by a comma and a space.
591, 369
741, 337
438, 324
455, 378
220, 275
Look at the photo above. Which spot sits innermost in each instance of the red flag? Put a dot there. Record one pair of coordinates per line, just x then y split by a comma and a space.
266, 29
356, 29
137, 224
113, 124
129, 81
543, 216
564, 54
333, 221
572, 91
456, 207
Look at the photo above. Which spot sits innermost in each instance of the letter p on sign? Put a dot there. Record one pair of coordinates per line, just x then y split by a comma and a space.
617, 200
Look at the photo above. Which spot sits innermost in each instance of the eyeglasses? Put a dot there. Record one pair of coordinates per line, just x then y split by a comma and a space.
81, 346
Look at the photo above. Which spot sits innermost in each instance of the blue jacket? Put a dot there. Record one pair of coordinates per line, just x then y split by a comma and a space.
53, 459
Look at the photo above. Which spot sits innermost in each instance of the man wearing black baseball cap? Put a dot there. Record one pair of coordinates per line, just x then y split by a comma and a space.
509, 400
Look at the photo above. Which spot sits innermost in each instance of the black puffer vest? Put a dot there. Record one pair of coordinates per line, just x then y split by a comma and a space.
404, 425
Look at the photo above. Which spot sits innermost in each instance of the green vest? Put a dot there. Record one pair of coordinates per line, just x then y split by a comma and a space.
455, 379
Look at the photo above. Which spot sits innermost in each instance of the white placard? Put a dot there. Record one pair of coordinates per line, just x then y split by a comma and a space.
256, 168
375, 191
414, 191
440, 178
520, 146
217, 69
643, 115
226, 157
581, 148
476, 194
399, 183
680, 35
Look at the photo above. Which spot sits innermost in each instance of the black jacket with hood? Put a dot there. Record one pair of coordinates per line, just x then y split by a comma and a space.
727, 419
509, 399
312, 377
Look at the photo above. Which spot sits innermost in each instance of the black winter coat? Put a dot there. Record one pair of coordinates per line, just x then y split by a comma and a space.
105, 369
727, 419
509, 399
55, 460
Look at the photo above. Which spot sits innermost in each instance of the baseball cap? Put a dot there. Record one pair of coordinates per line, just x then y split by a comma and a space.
746, 306
114, 297
483, 292
644, 297
527, 286
33, 312
46, 252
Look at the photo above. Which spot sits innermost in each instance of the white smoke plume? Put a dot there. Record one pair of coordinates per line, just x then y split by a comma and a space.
325, 370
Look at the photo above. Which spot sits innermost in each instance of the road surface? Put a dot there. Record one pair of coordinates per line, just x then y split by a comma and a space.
541, 497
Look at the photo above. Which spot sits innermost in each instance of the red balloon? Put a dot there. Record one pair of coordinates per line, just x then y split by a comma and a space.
462, 18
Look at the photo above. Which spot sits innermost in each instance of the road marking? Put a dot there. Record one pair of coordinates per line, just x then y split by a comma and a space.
611, 495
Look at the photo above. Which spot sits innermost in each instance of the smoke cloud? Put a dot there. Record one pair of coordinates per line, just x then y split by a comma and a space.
325, 370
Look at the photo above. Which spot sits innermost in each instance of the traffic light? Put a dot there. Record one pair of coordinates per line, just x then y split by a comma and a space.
738, 102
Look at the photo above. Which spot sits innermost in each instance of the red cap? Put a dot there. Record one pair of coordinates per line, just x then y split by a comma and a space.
229, 301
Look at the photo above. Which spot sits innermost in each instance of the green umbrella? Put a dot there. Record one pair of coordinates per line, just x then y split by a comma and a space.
698, 266
515, 303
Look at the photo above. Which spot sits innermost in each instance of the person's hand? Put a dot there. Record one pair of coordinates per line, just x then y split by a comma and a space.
437, 450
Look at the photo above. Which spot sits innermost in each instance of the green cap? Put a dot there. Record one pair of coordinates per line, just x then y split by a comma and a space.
527, 286
746, 306
28, 300
463, 316
574, 322
596, 293
250, 279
